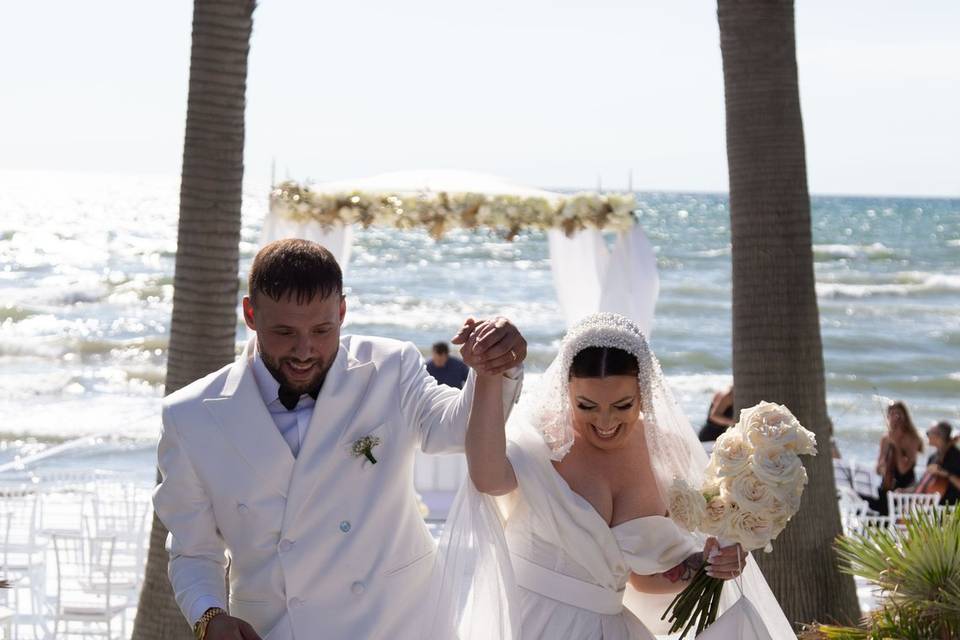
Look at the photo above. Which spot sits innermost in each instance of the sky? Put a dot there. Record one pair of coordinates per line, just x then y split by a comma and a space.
553, 94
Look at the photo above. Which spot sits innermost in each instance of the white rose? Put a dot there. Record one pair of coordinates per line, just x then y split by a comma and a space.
751, 529
748, 491
731, 454
686, 505
716, 517
773, 425
780, 468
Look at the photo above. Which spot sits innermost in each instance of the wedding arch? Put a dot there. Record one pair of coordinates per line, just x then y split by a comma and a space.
590, 274
600, 257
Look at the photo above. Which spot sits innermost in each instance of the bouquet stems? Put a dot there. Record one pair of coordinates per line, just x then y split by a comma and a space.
696, 605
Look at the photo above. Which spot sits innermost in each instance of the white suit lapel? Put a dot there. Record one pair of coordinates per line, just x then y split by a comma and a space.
246, 423
340, 398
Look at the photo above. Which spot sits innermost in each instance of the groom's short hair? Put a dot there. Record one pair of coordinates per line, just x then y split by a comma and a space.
295, 267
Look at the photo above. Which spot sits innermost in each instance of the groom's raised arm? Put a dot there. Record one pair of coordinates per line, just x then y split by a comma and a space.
440, 413
197, 552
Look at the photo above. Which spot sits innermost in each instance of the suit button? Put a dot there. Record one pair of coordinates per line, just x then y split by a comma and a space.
296, 602
242, 509
285, 546
345, 526
358, 588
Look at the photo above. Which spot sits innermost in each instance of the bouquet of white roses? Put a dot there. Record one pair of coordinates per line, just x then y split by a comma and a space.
752, 488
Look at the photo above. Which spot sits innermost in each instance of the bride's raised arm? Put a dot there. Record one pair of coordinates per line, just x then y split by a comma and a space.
486, 442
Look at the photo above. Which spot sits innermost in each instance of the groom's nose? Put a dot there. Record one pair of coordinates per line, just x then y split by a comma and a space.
304, 347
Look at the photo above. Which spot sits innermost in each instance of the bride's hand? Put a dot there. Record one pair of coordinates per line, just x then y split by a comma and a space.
724, 563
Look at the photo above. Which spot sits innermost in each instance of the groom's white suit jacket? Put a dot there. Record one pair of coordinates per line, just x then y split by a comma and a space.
324, 545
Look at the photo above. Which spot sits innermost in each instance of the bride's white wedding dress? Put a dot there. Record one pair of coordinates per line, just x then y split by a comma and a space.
540, 563
570, 567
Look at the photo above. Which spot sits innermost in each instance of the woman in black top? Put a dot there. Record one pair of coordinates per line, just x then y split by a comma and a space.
899, 449
719, 417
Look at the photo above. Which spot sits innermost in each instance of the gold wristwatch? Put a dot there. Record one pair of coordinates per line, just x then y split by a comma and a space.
200, 628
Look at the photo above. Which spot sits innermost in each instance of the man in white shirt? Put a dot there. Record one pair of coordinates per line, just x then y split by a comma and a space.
295, 464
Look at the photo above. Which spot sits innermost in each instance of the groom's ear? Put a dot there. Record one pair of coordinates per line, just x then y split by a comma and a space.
343, 308
248, 313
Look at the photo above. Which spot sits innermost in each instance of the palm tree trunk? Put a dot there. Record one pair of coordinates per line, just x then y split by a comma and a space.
777, 351
203, 327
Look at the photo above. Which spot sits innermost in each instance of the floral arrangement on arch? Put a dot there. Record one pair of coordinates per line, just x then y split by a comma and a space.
439, 212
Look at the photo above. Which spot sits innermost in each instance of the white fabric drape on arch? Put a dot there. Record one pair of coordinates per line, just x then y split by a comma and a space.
337, 239
590, 277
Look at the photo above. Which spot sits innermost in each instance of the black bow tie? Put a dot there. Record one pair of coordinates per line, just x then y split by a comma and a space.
290, 398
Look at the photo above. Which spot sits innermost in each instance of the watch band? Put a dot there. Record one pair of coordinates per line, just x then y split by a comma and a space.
200, 628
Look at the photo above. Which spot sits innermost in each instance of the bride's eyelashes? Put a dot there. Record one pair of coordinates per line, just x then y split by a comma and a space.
622, 407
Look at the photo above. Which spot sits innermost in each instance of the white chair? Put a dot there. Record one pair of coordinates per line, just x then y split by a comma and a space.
866, 523
864, 479
123, 513
852, 510
901, 505
86, 604
22, 556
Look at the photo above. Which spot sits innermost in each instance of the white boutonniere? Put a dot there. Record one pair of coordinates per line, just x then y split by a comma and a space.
364, 448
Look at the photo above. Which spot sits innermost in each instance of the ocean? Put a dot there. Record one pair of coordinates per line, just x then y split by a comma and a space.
86, 288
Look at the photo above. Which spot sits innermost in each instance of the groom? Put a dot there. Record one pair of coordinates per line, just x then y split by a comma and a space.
294, 465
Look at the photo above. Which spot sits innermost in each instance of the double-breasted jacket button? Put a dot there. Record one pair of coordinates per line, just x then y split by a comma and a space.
243, 509
345, 526
358, 588
285, 546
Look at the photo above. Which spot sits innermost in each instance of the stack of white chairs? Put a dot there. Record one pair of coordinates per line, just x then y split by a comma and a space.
74, 547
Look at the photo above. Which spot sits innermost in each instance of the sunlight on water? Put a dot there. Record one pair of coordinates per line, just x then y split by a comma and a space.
86, 264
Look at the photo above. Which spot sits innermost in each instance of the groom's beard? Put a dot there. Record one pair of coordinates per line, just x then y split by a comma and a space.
276, 368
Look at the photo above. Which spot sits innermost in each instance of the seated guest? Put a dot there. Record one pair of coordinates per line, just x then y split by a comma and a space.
945, 462
447, 369
899, 449
719, 417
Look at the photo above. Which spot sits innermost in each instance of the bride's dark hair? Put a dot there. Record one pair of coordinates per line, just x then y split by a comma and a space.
600, 362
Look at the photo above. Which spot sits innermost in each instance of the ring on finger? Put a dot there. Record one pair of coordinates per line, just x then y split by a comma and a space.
513, 354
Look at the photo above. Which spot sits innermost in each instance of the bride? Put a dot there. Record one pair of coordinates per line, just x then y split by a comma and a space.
577, 543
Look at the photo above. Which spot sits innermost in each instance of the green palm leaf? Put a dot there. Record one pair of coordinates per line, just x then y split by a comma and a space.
917, 571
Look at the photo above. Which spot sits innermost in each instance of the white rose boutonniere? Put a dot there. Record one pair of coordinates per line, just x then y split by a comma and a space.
364, 448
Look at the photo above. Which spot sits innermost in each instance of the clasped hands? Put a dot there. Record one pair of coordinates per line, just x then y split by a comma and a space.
490, 347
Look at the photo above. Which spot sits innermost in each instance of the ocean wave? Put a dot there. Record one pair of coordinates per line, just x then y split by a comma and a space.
56, 347
713, 253
904, 284
875, 251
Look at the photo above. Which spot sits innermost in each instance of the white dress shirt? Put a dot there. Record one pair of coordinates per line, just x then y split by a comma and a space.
292, 423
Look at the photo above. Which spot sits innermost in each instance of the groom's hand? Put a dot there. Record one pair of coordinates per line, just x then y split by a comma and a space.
492, 346
226, 627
